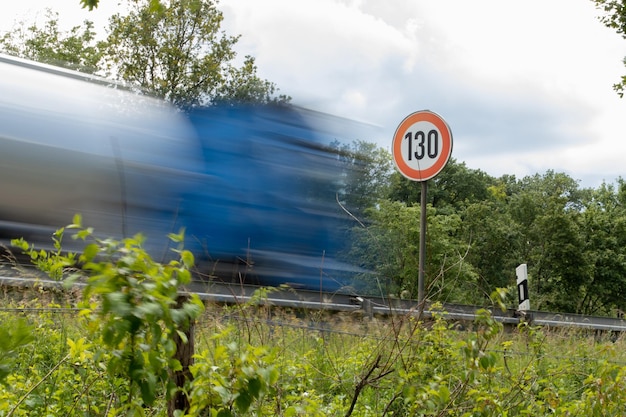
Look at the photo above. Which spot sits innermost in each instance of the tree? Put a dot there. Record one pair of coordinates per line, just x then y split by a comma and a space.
366, 178
75, 49
178, 52
453, 188
603, 226
174, 50
547, 210
615, 18
389, 246
495, 243
90, 4
93, 4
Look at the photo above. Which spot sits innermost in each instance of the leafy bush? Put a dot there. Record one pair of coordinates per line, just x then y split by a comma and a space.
117, 354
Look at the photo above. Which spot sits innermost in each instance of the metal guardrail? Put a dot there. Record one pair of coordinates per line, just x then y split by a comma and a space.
369, 306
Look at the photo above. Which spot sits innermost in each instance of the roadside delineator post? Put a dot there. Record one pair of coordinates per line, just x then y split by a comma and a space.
522, 288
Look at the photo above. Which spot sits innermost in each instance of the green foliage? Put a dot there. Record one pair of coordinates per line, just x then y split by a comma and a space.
495, 243
366, 176
44, 379
231, 380
614, 17
177, 51
480, 229
452, 189
14, 335
75, 49
53, 263
390, 246
131, 305
603, 229
174, 50
243, 85
90, 4
93, 4
137, 317
323, 366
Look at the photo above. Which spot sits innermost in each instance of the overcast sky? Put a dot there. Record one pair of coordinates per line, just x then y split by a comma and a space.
524, 86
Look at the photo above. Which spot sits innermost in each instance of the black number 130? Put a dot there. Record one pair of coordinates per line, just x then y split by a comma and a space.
425, 144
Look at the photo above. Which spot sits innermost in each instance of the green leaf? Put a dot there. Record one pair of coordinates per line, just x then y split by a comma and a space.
71, 280
83, 234
14, 335
224, 412
20, 243
149, 309
193, 309
182, 336
156, 6
177, 237
89, 4
254, 387
243, 401
77, 222
89, 252
117, 303
187, 258
148, 389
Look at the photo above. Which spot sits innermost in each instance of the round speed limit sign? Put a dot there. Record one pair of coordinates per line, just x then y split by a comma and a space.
422, 145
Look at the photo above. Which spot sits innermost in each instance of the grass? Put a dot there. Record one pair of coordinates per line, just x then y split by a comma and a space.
325, 364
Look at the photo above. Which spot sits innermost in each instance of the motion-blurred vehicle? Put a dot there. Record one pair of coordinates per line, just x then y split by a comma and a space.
254, 187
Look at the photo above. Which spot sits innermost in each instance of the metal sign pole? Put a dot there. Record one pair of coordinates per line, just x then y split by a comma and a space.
422, 145
422, 249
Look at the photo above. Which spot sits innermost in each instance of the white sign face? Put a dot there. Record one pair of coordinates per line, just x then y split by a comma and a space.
422, 145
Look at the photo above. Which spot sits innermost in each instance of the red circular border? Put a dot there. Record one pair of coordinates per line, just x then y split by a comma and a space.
446, 151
